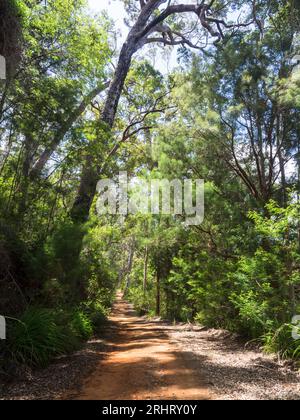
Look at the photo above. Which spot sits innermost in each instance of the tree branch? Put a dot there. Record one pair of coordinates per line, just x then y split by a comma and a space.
65, 127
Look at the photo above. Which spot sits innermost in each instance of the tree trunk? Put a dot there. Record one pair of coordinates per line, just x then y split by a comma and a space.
135, 40
145, 270
130, 262
24, 184
157, 294
90, 175
284, 200
85, 195
280, 139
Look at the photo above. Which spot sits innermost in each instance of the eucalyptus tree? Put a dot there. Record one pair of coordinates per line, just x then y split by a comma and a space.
234, 106
63, 67
261, 130
10, 34
192, 24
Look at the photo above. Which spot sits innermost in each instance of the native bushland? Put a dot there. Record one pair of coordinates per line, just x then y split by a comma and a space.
77, 107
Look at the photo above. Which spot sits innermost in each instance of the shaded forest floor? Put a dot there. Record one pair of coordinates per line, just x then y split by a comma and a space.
140, 359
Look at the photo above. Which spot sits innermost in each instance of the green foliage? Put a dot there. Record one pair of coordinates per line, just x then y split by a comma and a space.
41, 334
81, 325
199, 289
38, 337
281, 342
96, 313
230, 117
143, 302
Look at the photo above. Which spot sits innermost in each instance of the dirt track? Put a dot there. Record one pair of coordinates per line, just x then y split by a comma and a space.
142, 364
133, 358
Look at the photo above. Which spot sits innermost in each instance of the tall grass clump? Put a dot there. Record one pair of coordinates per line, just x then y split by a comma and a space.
281, 341
38, 336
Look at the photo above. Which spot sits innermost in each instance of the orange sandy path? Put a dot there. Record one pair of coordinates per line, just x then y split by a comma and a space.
143, 364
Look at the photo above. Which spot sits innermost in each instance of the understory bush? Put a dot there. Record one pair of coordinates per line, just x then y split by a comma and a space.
96, 312
39, 336
42, 334
81, 325
282, 342
143, 302
67, 308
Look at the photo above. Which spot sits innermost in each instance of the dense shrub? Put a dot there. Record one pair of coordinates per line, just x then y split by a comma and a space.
96, 313
43, 334
281, 341
38, 337
144, 303
81, 325
254, 291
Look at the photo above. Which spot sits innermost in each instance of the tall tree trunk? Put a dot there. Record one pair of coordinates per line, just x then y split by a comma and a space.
130, 262
145, 269
24, 184
284, 198
280, 140
135, 40
157, 294
90, 175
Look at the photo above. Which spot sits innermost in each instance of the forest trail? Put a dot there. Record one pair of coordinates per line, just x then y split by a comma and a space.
134, 358
143, 364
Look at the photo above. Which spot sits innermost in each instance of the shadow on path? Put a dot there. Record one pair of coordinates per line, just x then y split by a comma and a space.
142, 364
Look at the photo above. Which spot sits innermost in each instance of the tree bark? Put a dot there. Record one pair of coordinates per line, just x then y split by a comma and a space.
157, 294
90, 175
135, 40
24, 183
145, 270
130, 262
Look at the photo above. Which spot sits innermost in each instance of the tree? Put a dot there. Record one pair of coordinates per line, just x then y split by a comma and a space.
247, 123
54, 85
10, 34
151, 18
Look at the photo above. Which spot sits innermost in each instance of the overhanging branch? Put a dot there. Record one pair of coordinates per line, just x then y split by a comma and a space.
214, 26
